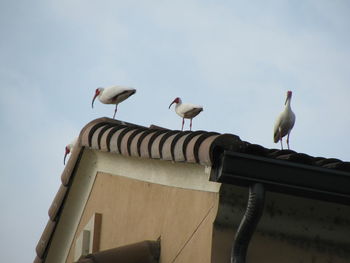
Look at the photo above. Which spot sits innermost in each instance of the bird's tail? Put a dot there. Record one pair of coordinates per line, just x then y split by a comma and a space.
276, 137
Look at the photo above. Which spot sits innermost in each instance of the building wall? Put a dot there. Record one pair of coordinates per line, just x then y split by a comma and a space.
291, 230
142, 199
134, 210
180, 175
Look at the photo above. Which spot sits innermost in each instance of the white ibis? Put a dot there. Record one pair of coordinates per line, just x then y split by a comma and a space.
186, 110
69, 149
113, 95
284, 122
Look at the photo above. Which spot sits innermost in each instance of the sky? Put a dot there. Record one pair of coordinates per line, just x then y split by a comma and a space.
235, 58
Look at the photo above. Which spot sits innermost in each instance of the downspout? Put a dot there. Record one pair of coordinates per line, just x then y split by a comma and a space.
249, 222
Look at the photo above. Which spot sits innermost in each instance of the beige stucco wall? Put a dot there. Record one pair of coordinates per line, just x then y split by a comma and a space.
134, 210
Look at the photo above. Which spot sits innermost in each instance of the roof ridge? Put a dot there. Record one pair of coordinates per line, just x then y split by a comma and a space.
123, 135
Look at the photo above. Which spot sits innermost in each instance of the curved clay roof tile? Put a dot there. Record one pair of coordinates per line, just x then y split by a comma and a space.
187, 140
176, 146
132, 140
134, 149
122, 140
153, 138
166, 151
104, 145
158, 143
57, 202
45, 238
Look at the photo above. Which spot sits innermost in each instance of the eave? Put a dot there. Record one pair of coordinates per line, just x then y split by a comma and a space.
283, 177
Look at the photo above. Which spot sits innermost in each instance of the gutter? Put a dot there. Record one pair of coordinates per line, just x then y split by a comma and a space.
283, 177
260, 173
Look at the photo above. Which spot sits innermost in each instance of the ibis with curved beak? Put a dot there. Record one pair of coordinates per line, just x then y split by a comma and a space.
113, 95
69, 148
284, 122
186, 110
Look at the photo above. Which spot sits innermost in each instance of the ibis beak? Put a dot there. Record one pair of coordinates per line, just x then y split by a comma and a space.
288, 98
171, 104
65, 155
92, 104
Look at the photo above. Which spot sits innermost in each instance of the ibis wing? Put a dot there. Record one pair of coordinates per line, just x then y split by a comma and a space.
283, 125
276, 134
193, 112
123, 95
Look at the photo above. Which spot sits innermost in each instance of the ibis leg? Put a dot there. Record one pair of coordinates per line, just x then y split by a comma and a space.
191, 125
183, 122
288, 140
115, 111
281, 140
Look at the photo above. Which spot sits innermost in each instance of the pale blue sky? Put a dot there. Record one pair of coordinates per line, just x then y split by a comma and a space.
236, 59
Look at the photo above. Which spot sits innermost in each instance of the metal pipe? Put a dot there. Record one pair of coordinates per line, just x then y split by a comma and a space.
249, 222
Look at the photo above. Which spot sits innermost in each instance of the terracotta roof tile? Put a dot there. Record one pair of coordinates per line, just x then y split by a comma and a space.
45, 238
297, 157
323, 161
159, 133
175, 147
95, 142
134, 146
157, 145
114, 136
274, 153
341, 166
167, 151
203, 154
199, 142
102, 133
103, 145
132, 138
144, 144
57, 202
94, 130
124, 141
189, 149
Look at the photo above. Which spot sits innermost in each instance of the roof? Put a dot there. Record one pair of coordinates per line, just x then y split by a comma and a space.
201, 147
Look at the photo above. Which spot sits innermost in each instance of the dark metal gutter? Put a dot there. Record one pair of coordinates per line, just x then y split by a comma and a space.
283, 176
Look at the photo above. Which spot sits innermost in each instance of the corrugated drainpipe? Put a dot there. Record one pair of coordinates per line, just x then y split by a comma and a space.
249, 222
